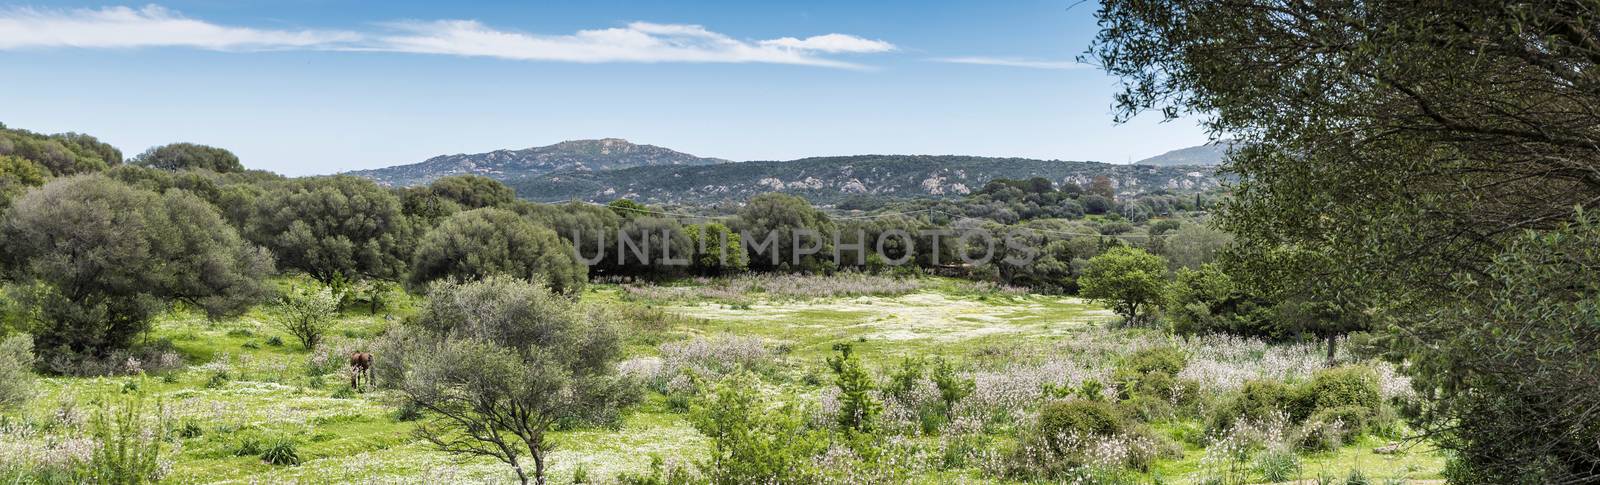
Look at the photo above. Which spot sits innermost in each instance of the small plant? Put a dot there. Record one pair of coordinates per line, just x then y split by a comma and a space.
952, 387
408, 411
16, 375
275, 341
190, 430
133, 444
1357, 478
281, 452
858, 409
1278, 464
580, 474
241, 333
250, 344
248, 446
218, 379
344, 392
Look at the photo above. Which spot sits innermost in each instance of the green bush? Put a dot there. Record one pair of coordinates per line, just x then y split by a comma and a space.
132, 441
1329, 428
1164, 360
281, 452
1151, 371
1338, 387
1081, 418
16, 370
1255, 401
753, 441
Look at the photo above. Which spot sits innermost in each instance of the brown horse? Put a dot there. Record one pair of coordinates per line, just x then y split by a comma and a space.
360, 366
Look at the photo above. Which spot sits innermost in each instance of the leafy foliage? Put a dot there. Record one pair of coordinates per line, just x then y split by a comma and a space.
497, 363
752, 440
482, 242
96, 259
1130, 280
16, 370
786, 219
189, 156
858, 408
1397, 151
62, 154
333, 227
306, 313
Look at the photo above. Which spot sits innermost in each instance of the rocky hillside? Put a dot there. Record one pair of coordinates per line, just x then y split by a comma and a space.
1210, 154
827, 180
569, 156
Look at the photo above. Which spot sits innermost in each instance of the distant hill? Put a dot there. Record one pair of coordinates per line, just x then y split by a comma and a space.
1210, 155
828, 180
571, 156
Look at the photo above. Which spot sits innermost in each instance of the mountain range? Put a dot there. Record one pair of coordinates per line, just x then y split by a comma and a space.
575, 155
1210, 154
607, 169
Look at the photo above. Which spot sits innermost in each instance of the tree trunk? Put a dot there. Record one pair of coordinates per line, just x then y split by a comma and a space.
538, 468
1333, 342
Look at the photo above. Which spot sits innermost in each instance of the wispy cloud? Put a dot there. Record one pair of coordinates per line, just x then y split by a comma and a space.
150, 26
1015, 62
637, 42
155, 26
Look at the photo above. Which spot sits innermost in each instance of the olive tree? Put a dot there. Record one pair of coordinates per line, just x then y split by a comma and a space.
496, 363
17, 175
189, 156
1128, 279
780, 220
338, 228
482, 242
94, 260
473, 191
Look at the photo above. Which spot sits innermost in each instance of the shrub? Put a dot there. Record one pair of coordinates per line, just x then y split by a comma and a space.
1164, 360
281, 452
133, 444
1077, 418
307, 312
751, 440
1255, 401
1278, 464
1338, 387
16, 370
1331, 427
858, 409
1150, 371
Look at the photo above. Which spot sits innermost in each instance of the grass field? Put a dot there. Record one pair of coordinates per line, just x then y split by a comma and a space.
247, 384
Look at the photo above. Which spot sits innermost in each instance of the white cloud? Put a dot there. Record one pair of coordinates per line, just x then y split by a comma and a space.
155, 26
150, 26
1014, 62
831, 43
637, 42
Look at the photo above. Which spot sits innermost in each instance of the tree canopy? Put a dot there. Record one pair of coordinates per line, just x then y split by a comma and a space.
189, 156
333, 227
96, 259
478, 243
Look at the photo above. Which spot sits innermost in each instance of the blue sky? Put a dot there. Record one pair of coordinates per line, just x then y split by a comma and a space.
311, 87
